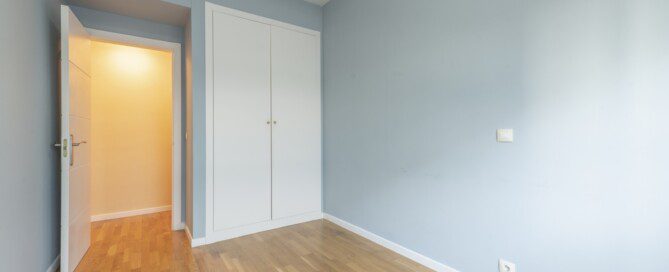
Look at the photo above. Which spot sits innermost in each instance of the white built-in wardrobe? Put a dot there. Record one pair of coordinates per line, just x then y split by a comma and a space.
263, 124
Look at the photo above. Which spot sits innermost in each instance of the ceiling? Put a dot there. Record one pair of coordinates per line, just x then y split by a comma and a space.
318, 2
152, 10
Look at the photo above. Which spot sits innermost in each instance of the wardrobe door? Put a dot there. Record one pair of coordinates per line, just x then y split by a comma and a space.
296, 133
241, 114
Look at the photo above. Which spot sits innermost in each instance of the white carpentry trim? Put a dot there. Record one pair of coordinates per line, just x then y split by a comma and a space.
194, 242
262, 226
175, 48
212, 235
54, 265
415, 256
116, 215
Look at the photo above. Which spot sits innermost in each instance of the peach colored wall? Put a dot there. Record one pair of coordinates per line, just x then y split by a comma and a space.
131, 128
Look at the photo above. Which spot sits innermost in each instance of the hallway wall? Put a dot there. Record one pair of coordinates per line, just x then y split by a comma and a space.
131, 128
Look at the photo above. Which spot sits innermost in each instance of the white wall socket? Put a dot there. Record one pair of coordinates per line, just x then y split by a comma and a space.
505, 135
506, 266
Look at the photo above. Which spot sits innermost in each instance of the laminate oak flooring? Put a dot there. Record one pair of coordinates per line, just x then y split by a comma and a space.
146, 243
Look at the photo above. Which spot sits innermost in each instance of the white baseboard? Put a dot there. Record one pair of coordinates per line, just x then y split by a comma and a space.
54, 265
116, 215
179, 226
227, 234
193, 242
415, 256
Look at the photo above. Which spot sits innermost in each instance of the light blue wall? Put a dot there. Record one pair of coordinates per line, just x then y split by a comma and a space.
196, 183
414, 91
296, 12
127, 25
29, 187
183, 3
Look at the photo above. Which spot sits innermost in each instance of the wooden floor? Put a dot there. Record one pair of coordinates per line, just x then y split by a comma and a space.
145, 243
138, 243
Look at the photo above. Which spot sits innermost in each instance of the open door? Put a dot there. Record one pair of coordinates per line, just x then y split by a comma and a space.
75, 120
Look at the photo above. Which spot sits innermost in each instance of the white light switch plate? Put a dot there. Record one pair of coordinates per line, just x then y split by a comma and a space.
506, 266
505, 135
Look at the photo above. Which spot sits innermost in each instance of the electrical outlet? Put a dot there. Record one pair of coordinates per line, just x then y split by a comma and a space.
505, 135
506, 266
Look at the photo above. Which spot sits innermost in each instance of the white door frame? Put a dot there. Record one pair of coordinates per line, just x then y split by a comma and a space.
175, 48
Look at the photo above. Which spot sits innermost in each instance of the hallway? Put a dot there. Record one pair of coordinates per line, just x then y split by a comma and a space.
136, 243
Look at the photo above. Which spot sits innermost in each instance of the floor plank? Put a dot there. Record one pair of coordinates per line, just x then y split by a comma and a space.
146, 243
138, 243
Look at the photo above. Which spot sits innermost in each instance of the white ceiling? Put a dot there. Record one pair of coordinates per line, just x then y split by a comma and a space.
152, 10
318, 2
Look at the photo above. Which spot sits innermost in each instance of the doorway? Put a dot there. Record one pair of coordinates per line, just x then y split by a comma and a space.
135, 158
135, 127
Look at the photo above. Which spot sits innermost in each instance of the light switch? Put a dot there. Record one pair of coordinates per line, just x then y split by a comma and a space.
505, 135
506, 266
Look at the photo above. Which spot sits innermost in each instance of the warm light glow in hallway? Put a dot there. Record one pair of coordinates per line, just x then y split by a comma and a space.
131, 128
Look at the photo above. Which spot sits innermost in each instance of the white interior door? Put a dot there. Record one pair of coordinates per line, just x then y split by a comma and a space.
75, 133
241, 115
296, 133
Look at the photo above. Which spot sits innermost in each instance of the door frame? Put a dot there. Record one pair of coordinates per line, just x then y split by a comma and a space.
177, 163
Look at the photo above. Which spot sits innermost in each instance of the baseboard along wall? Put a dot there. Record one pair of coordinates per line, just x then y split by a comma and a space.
194, 242
54, 265
117, 215
415, 256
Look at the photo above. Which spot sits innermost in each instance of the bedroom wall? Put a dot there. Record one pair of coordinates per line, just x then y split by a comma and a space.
414, 91
30, 165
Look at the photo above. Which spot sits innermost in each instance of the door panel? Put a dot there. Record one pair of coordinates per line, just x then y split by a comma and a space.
79, 225
80, 95
296, 135
241, 156
80, 116
75, 130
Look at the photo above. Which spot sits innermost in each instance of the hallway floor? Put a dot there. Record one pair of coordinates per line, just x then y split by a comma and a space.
145, 243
